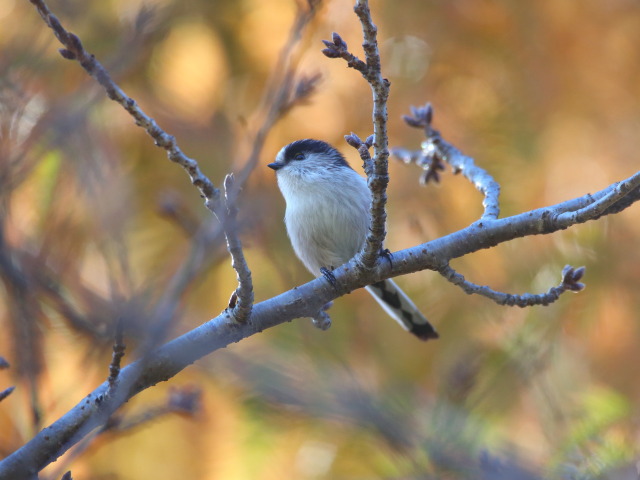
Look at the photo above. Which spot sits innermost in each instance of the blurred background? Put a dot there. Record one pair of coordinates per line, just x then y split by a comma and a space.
96, 226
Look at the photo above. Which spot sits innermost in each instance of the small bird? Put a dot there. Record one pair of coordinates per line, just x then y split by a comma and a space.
327, 219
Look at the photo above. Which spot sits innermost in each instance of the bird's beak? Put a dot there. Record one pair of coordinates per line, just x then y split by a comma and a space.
276, 166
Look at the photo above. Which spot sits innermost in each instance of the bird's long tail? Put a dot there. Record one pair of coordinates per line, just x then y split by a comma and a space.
400, 307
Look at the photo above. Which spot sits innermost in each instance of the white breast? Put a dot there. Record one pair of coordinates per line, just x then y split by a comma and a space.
327, 217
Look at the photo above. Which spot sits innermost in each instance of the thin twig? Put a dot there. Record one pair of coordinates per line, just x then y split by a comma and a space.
435, 150
378, 176
74, 50
6, 392
118, 352
570, 283
380, 179
363, 150
185, 401
244, 292
285, 89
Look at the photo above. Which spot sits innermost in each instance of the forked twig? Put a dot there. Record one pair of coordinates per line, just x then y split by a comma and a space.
74, 50
435, 150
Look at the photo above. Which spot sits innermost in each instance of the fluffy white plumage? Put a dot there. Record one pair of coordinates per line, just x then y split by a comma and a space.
327, 219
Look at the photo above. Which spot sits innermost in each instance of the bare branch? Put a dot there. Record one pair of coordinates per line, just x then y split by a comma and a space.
378, 176
285, 89
379, 180
605, 204
310, 300
363, 150
244, 292
322, 320
6, 392
74, 50
435, 149
303, 301
184, 401
426, 158
284, 93
337, 48
118, 352
570, 282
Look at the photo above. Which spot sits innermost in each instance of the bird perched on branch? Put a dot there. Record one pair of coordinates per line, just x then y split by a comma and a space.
327, 219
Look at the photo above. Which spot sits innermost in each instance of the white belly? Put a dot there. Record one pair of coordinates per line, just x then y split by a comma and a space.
327, 229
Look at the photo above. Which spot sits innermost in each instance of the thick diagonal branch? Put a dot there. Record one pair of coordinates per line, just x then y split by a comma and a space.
303, 301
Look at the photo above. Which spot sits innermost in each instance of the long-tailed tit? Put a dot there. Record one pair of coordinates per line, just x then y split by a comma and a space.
327, 219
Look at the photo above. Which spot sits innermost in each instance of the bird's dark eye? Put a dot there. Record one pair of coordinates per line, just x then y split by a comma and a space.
298, 156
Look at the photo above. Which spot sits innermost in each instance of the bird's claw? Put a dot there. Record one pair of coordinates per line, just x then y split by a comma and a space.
387, 255
329, 276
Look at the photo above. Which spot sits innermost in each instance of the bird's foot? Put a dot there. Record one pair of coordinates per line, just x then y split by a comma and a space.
387, 255
329, 276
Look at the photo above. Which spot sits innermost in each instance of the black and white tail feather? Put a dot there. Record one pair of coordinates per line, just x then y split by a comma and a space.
327, 219
400, 307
